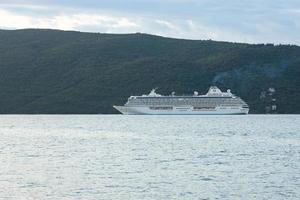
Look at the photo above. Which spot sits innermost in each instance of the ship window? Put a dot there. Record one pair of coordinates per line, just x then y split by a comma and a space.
161, 107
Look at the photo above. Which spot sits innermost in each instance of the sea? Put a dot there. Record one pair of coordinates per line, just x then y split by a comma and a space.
120, 157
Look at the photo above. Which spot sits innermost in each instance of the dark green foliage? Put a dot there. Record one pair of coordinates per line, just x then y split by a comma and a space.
50, 71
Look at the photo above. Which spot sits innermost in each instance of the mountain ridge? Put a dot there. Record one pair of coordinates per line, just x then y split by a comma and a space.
53, 71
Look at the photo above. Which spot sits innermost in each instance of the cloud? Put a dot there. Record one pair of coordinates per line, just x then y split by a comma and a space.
64, 21
253, 21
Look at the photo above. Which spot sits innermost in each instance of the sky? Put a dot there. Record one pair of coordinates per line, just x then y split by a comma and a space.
250, 21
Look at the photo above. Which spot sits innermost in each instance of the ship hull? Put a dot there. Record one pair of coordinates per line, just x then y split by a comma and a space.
186, 110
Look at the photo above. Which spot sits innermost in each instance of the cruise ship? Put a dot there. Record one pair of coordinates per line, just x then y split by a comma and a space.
214, 102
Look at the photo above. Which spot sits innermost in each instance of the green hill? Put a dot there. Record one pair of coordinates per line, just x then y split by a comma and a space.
51, 71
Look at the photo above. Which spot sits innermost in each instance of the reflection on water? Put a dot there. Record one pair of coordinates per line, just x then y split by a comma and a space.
149, 157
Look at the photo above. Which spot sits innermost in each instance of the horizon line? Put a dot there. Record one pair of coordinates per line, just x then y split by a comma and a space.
156, 35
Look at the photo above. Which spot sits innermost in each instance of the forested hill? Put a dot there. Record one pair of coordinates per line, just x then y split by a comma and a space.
51, 71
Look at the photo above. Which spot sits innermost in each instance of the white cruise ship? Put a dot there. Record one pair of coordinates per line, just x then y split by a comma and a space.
215, 102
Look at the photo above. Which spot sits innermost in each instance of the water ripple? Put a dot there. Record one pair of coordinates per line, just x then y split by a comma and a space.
149, 157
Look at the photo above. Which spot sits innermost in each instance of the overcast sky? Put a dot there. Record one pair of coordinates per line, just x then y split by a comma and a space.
251, 21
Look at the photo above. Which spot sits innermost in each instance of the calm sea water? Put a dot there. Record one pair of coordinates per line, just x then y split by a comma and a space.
149, 157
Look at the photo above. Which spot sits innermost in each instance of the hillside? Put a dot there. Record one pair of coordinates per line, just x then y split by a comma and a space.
51, 71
